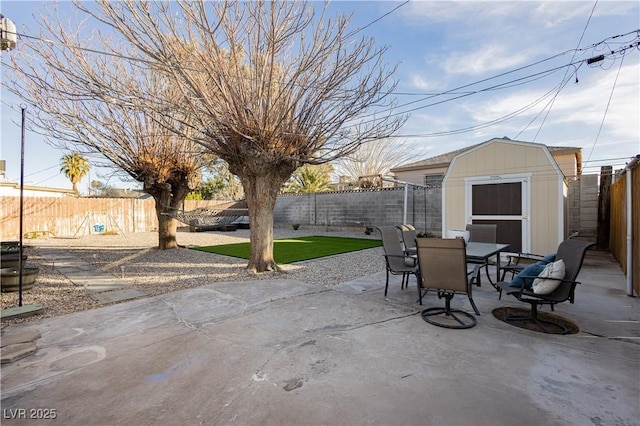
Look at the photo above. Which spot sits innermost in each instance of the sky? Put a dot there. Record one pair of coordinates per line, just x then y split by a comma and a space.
467, 72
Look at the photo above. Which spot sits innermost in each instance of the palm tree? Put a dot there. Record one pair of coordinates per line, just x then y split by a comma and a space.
75, 167
310, 178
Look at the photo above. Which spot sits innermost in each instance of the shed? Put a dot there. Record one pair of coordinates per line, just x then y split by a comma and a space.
517, 185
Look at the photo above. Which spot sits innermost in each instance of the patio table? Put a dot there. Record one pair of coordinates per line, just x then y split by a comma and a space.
481, 252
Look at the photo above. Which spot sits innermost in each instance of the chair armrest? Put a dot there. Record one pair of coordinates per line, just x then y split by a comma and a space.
517, 257
401, 256
474, 276
476, 270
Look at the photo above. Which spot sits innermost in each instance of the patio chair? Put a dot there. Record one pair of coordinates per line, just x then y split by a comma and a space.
516, 262
572, 253
409, 235
397, 262
442, 266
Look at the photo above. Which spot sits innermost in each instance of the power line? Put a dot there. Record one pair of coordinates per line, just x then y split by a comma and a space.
426, 96
595, 141
553, 100
460, 94
378, 19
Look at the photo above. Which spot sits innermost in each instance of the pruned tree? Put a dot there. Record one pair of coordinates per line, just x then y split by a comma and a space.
230, 187
91, 101
270, 86
75, 167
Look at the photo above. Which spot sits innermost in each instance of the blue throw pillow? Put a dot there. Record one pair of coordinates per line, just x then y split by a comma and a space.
547, 259
532, 270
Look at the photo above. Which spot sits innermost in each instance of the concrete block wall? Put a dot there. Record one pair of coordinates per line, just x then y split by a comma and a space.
360, 209
371, 208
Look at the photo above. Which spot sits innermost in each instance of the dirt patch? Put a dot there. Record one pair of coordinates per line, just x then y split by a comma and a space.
501, 313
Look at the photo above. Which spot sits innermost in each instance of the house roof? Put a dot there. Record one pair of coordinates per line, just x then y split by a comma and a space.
8, 185
443, 160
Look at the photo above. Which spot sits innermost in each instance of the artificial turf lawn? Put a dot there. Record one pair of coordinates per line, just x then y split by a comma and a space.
297, 249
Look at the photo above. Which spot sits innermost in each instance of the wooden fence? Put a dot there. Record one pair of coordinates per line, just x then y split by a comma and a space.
618, 231
75, 217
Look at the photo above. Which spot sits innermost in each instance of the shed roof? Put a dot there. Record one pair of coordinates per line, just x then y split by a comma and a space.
443, 160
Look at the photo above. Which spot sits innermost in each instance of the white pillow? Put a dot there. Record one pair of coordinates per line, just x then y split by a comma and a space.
544, 286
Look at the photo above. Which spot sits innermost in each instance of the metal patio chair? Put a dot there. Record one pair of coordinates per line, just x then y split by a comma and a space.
409, 235
443, 267
397, 262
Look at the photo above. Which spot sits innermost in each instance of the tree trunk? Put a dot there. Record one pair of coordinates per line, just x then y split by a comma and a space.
261, 193
167, 225
167, 228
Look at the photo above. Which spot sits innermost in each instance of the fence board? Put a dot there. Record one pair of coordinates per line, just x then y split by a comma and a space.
635, 213
73, 217
618, 237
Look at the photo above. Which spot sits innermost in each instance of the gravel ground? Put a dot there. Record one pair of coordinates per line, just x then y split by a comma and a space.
136, 259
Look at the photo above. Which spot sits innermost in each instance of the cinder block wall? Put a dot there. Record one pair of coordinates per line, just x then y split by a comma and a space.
360, 209
371, 208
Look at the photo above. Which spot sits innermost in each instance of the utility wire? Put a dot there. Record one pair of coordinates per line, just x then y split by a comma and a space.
378, 19
595, 141
520, 81
426, 96
572, 58
492, 122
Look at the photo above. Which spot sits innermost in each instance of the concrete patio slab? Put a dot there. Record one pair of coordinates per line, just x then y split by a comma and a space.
119, 295
11, 337
288, 353
16, 351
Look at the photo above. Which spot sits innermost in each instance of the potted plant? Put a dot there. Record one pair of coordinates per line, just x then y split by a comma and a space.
10, 278
10, 254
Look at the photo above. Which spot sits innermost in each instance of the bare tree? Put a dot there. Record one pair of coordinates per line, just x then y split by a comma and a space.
271, 86
374, 160
91, 102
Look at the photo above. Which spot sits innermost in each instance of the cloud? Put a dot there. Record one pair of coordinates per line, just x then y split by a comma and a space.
577, 112
486, 59
547, 13
557, 13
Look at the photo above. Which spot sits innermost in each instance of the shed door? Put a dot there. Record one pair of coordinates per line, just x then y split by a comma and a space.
505, 202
